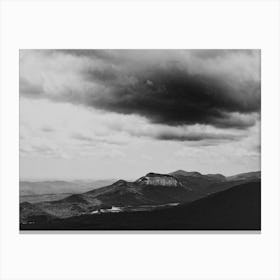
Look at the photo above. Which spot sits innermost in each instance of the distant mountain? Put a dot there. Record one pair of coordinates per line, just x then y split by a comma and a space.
245, 176
237, 208
218, 177
198, 182
43, 197
59, 187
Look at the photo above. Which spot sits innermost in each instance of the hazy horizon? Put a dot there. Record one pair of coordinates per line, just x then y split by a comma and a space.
34, 179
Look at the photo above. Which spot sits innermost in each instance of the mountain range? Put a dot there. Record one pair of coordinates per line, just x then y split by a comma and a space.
178, 200
28, 188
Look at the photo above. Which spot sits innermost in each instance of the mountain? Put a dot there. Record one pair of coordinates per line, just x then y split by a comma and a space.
245, 176
150, 192
237, 208
43, 197
198, 182
195, 174
152, 189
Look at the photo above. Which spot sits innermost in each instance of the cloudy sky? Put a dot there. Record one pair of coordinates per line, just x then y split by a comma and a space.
123, 113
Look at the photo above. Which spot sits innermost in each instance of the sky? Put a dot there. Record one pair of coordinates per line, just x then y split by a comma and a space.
102, 114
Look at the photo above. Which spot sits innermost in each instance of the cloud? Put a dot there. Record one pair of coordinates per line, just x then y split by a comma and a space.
181, 100
92, 132
196, 136
94, 139
46, 150
194, 133
88, 142
176, 87
131, 127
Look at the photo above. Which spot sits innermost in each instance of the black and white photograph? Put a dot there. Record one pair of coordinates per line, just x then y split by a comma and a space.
140, 139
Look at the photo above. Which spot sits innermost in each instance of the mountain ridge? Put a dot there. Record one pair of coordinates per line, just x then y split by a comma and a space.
152, 190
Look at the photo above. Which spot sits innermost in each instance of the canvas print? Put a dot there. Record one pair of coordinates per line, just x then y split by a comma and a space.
140, 139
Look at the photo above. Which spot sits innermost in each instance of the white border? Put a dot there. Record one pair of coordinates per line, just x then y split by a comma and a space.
156, 24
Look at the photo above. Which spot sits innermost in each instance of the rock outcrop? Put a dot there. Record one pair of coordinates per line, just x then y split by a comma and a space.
154, 179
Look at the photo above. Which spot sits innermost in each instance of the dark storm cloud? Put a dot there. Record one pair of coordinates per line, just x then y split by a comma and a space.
178, 98
220, 88
169, 91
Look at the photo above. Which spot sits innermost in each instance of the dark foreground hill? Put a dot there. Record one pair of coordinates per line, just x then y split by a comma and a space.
236, 208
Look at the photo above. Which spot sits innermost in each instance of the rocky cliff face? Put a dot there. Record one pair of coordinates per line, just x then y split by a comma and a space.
154, 179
